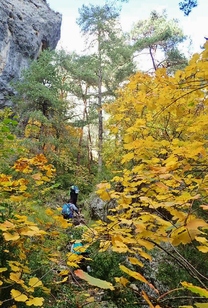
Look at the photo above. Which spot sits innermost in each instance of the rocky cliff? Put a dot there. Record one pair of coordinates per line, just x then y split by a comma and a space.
26, 28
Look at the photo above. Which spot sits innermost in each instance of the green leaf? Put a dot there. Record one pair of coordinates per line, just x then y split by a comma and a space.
201, 305
10, 137
94, 281
195, 289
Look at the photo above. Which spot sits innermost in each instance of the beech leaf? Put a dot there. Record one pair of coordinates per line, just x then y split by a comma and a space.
35, 282
18, 296
36, 301
11, 237
134, 274
195, 289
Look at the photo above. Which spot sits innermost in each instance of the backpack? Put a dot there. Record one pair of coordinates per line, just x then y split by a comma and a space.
66, 211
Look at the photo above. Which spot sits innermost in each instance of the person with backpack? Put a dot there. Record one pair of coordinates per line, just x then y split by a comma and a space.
74, 191
68, 210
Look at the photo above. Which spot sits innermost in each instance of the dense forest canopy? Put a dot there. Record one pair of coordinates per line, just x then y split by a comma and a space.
136, 142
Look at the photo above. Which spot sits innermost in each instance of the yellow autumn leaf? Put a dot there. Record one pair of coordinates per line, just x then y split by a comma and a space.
145, 255
145, 243
1, 282
62, 281
45, 179
196, 223
105, 196
22, 188
204, 206
134, 274
35, 282
37, 176
7, 225
120, 249
3, 269
201, 239
16, 198
172, 164
18, 296
15, 266
103, 186
127, 157
195, 289
38, 183
11, 236
27, 232
64, 273
73, 259
36, 301
46, 290
104, 245
118, 240
16, 277
49, 212
34, 228
122, 280
135, 261
203, 249
146, 298
184, 236
90, 299
22, 218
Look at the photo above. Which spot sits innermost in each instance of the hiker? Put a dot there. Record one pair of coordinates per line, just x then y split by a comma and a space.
74, 190
68, 210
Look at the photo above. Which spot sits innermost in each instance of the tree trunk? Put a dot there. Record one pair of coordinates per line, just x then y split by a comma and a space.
152, 57
100, 111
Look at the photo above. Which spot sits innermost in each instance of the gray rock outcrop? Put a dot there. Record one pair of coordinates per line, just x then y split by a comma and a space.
99, 209
26, 28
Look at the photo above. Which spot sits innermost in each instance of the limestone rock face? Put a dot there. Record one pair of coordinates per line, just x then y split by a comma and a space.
99, 209
26, 28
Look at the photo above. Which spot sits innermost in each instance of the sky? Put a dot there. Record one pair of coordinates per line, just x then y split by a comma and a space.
195, 25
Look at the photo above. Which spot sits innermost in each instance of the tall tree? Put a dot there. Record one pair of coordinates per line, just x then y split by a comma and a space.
161, 124
81, 81
160, 37
44, 111
113, 59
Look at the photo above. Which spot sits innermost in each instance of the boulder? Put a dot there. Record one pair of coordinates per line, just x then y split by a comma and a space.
99, 209
26, 28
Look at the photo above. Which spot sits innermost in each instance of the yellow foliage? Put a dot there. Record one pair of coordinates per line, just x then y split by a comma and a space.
134, 274
73, 259
16, 277
18, 296
35, 301
123, 281
62, 281
11, 236
35, 282
158, 128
